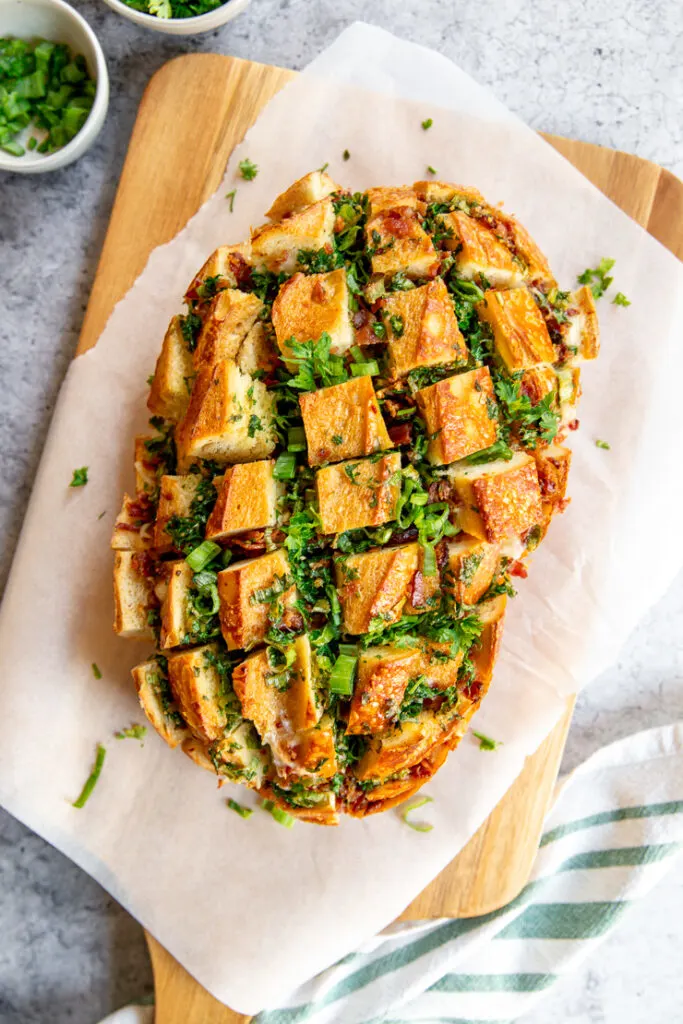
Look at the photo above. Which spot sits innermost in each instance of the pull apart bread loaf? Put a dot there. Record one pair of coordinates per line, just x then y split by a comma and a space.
358, 437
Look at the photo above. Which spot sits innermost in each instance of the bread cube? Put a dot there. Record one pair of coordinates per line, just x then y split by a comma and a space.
403, 746
253, 595
309, 305
247, 500
156, 700
276, 246
198, 691
310, 189
176, 616
257, 351
401, 244
281, 705
343, 422
422, 329
446, 192
229, 318
133, 596
134, 529
230, 418
520, 335
316, 755
383, 674
173, 376
460, 415
499, 499
389, 198
582, 332
358, 493
485, 652
479, 250
538, 382
176, 494
229, 264
382, 585
472, 564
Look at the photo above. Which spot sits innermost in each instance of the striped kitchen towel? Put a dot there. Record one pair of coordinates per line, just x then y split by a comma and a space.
615, 829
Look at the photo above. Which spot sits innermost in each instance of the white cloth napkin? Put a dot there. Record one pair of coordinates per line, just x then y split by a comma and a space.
615, 829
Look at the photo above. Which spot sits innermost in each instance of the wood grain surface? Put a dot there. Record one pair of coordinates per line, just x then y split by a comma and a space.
195, 110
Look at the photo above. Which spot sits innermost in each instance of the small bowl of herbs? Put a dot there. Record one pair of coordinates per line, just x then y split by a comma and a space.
54, 87
179, 17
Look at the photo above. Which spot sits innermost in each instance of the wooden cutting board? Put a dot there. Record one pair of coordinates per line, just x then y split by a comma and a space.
195, 110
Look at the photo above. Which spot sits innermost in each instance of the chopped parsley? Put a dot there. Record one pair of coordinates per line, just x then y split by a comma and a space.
190, 326
621, 300
485, 742
255, 425
133, 732
602, 444
314, 364
248, 170
337, 439
427, 123
80, 477
597, 277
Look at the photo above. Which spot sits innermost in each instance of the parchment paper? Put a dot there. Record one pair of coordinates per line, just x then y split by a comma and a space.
249, 908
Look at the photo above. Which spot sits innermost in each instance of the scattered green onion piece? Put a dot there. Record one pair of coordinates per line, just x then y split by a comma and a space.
417, 826
227, 557
368, 369
343, 671
350, 650
358, 354
32, 142
429, 560
244, 812
296, 439
96, 671
602, 444
133, 732
285, 466
91, 781
419, 499
485, 742
13, 148
202, 555
280, 816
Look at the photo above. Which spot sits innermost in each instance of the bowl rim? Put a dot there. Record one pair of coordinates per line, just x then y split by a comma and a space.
60, 157
152, 19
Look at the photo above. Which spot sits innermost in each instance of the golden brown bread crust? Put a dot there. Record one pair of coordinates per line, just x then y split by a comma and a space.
359, 436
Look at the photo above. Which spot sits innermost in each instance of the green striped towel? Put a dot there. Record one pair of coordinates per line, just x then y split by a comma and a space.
615, 828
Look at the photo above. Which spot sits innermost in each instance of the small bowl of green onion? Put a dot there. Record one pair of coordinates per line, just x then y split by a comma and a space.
54, 87
179, 17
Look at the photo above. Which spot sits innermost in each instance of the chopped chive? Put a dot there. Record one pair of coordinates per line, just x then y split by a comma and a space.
341, 678
280, 816
244, 812
415, 825
231, 196
285, 466
365, 369
602, 444
133, 732
296, 439
91, 781
324, 167
346, 154
96, 671
431, 169
485, 742
202, 555
427, 123
80, 477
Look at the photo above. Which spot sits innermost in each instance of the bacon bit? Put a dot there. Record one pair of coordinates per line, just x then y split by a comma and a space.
518, 569
441, 490
393, 408
318, 293
143, 564
473, 690
401, 434
240, 268
441, 553
339, 224
360, 318
128, 527
400, 222
252, 540
418, 591
574, 425
402, 537
292, 620
328, 248
141, 508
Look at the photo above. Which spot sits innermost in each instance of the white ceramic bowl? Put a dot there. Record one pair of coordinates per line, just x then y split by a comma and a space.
182, 26
60, 23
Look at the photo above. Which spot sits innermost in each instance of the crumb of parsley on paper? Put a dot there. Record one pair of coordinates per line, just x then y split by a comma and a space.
247, 169
91, 781
621, 300
427, 123
602, 444
80, 477
244, 812
133, 732
599, 279
485, 742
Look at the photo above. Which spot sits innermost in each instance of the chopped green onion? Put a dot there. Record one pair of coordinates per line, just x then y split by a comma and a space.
296, 439
417, 826
202, 555
485, 742
95, 671
428, 560
358, 354
133, 732
419, 499
91, 781
602, 444
432, 170
350, 650
621, 300
244, 812
285, 466
343, 671
280, 816
427, 123
80, 477
13, 148
368, 369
